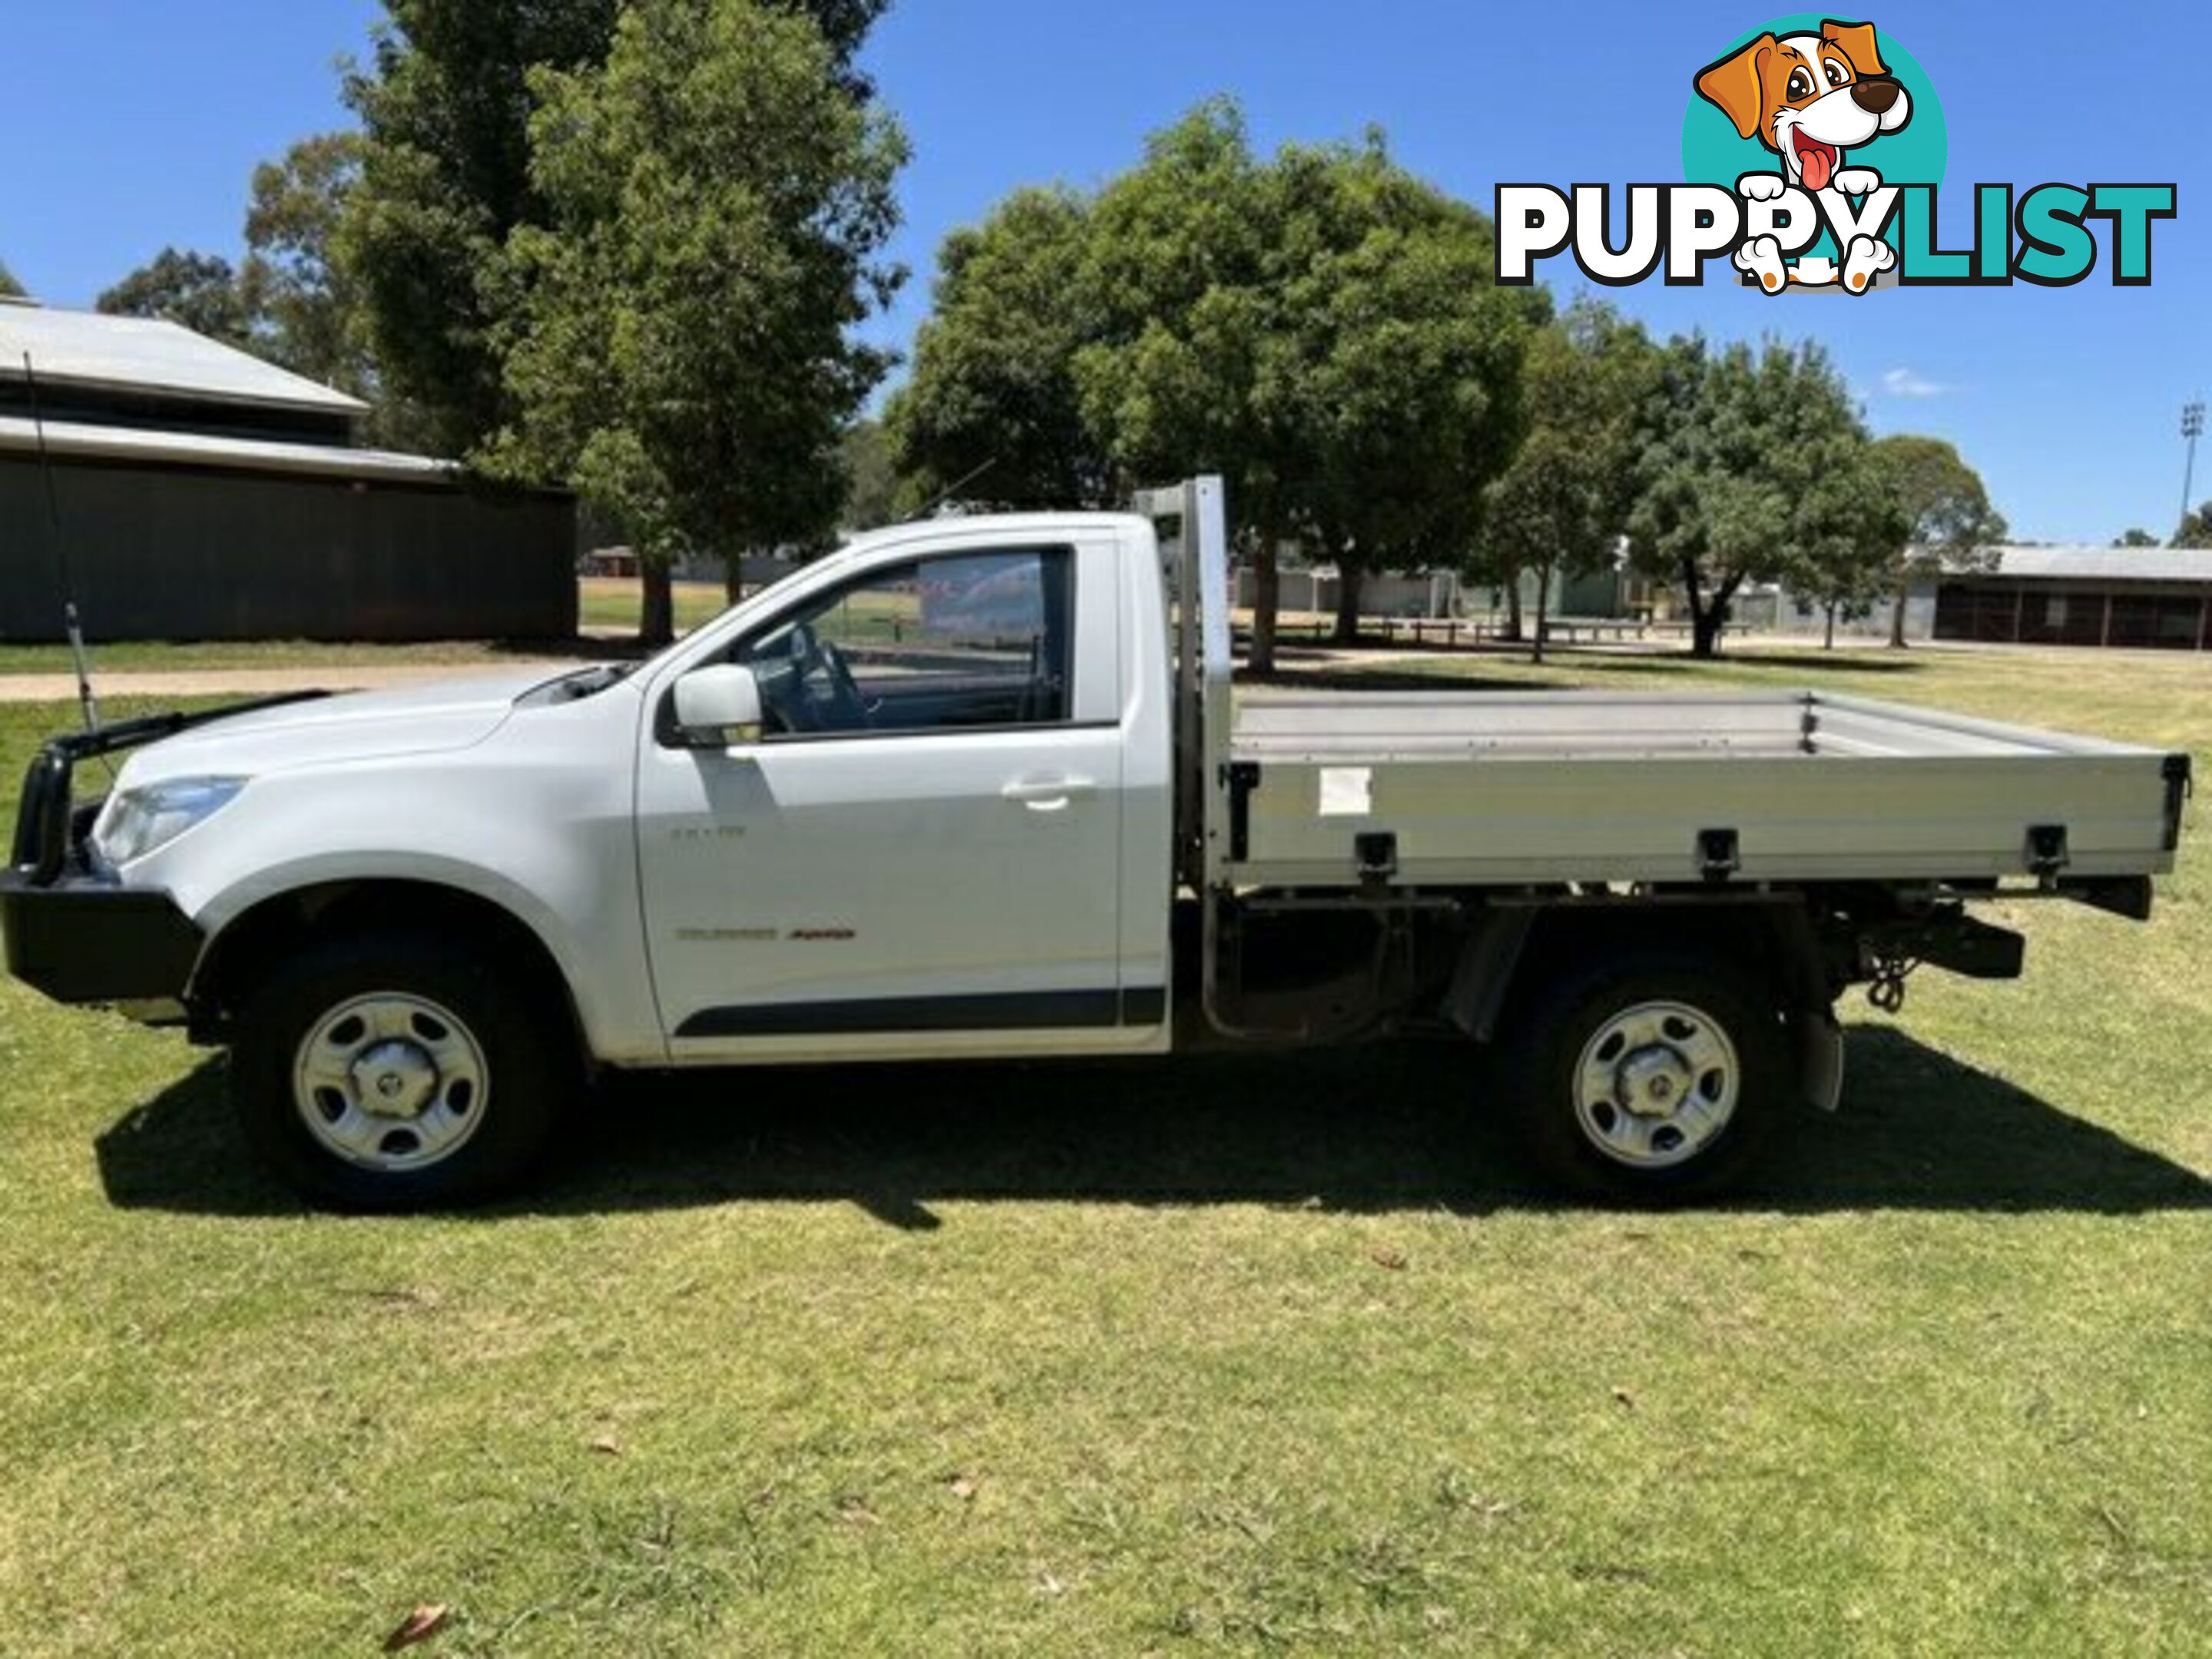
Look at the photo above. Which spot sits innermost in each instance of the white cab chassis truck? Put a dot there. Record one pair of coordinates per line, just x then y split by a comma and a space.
981, 788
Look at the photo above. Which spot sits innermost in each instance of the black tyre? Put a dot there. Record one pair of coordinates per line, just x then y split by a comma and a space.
393, 1072
1649, 1079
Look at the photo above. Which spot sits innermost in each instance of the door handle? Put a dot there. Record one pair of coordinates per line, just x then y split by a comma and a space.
1049, 794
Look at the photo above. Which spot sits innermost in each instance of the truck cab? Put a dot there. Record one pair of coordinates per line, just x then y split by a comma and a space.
951, 748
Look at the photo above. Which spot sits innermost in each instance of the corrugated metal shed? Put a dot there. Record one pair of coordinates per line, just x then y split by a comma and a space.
163, 550
146, 356
2106, 564
196, 492
69, 439
2143, 598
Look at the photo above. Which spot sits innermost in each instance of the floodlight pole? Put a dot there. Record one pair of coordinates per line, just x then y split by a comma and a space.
2192, 428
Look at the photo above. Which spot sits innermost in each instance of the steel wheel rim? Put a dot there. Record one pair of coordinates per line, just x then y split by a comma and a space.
390, 1082
1656, 1085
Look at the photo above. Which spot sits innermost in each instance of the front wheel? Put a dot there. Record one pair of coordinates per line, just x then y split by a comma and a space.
386, 1072
1651, 1078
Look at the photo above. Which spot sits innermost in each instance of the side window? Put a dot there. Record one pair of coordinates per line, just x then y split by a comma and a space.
957, 640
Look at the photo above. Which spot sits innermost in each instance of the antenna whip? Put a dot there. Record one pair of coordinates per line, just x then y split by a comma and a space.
86, 705
959, 484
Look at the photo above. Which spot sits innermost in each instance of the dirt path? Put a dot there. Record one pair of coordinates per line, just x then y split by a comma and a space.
253, 682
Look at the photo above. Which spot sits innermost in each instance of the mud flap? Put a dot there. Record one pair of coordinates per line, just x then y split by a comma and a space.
1819, 1044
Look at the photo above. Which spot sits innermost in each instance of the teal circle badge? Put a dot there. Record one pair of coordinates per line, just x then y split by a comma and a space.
1915, 153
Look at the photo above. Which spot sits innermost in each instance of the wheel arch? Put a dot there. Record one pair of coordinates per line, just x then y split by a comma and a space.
264, 932
1514, 948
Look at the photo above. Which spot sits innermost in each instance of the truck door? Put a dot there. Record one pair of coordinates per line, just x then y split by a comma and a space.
921, 852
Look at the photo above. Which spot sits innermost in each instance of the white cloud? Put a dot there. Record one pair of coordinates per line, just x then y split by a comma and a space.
1909, 383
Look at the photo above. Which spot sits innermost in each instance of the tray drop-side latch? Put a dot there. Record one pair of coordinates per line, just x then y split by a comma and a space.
2046, 850
2178, 787
1242, 778
1718, 855
1376, 853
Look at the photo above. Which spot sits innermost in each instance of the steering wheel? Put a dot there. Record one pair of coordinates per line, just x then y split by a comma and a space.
848, 710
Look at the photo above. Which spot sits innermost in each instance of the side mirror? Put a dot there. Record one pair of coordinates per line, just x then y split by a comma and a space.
718, 706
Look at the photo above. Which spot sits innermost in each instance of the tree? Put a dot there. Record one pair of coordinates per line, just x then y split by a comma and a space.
308, 306
1192, 368
1849, 531
1083, 343
991, 408
1731, 480
716, 199
1952, 522
870, 487
1702, 511
200, 291
10, 287
1319, 327
1562, 504
447, 179
2134, 537
1404, 365
2195, 529
312, 313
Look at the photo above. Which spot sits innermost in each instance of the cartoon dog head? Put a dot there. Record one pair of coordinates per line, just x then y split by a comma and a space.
1809, 97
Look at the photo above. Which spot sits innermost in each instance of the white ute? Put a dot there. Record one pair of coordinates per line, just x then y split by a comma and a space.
978, 787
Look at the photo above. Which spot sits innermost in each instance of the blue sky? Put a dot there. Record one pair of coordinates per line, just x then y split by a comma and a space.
130, 124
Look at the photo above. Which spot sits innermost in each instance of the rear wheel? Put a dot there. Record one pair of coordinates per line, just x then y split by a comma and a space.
386, 1072
1649, 1078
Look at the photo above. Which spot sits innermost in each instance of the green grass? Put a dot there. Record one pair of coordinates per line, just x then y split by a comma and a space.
165, 656
2141, 697
613, 602
1277, 1355
602, 603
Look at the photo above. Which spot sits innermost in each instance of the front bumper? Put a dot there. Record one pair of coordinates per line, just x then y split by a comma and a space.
72, 933
85, 940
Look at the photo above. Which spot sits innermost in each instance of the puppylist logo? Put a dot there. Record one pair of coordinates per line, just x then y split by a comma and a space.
1814, 151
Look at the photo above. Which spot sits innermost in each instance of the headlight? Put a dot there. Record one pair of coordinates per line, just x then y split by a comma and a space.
135, 821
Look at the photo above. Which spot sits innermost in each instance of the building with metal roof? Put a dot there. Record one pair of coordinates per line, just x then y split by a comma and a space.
193, 491
90, 350
2156, 598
